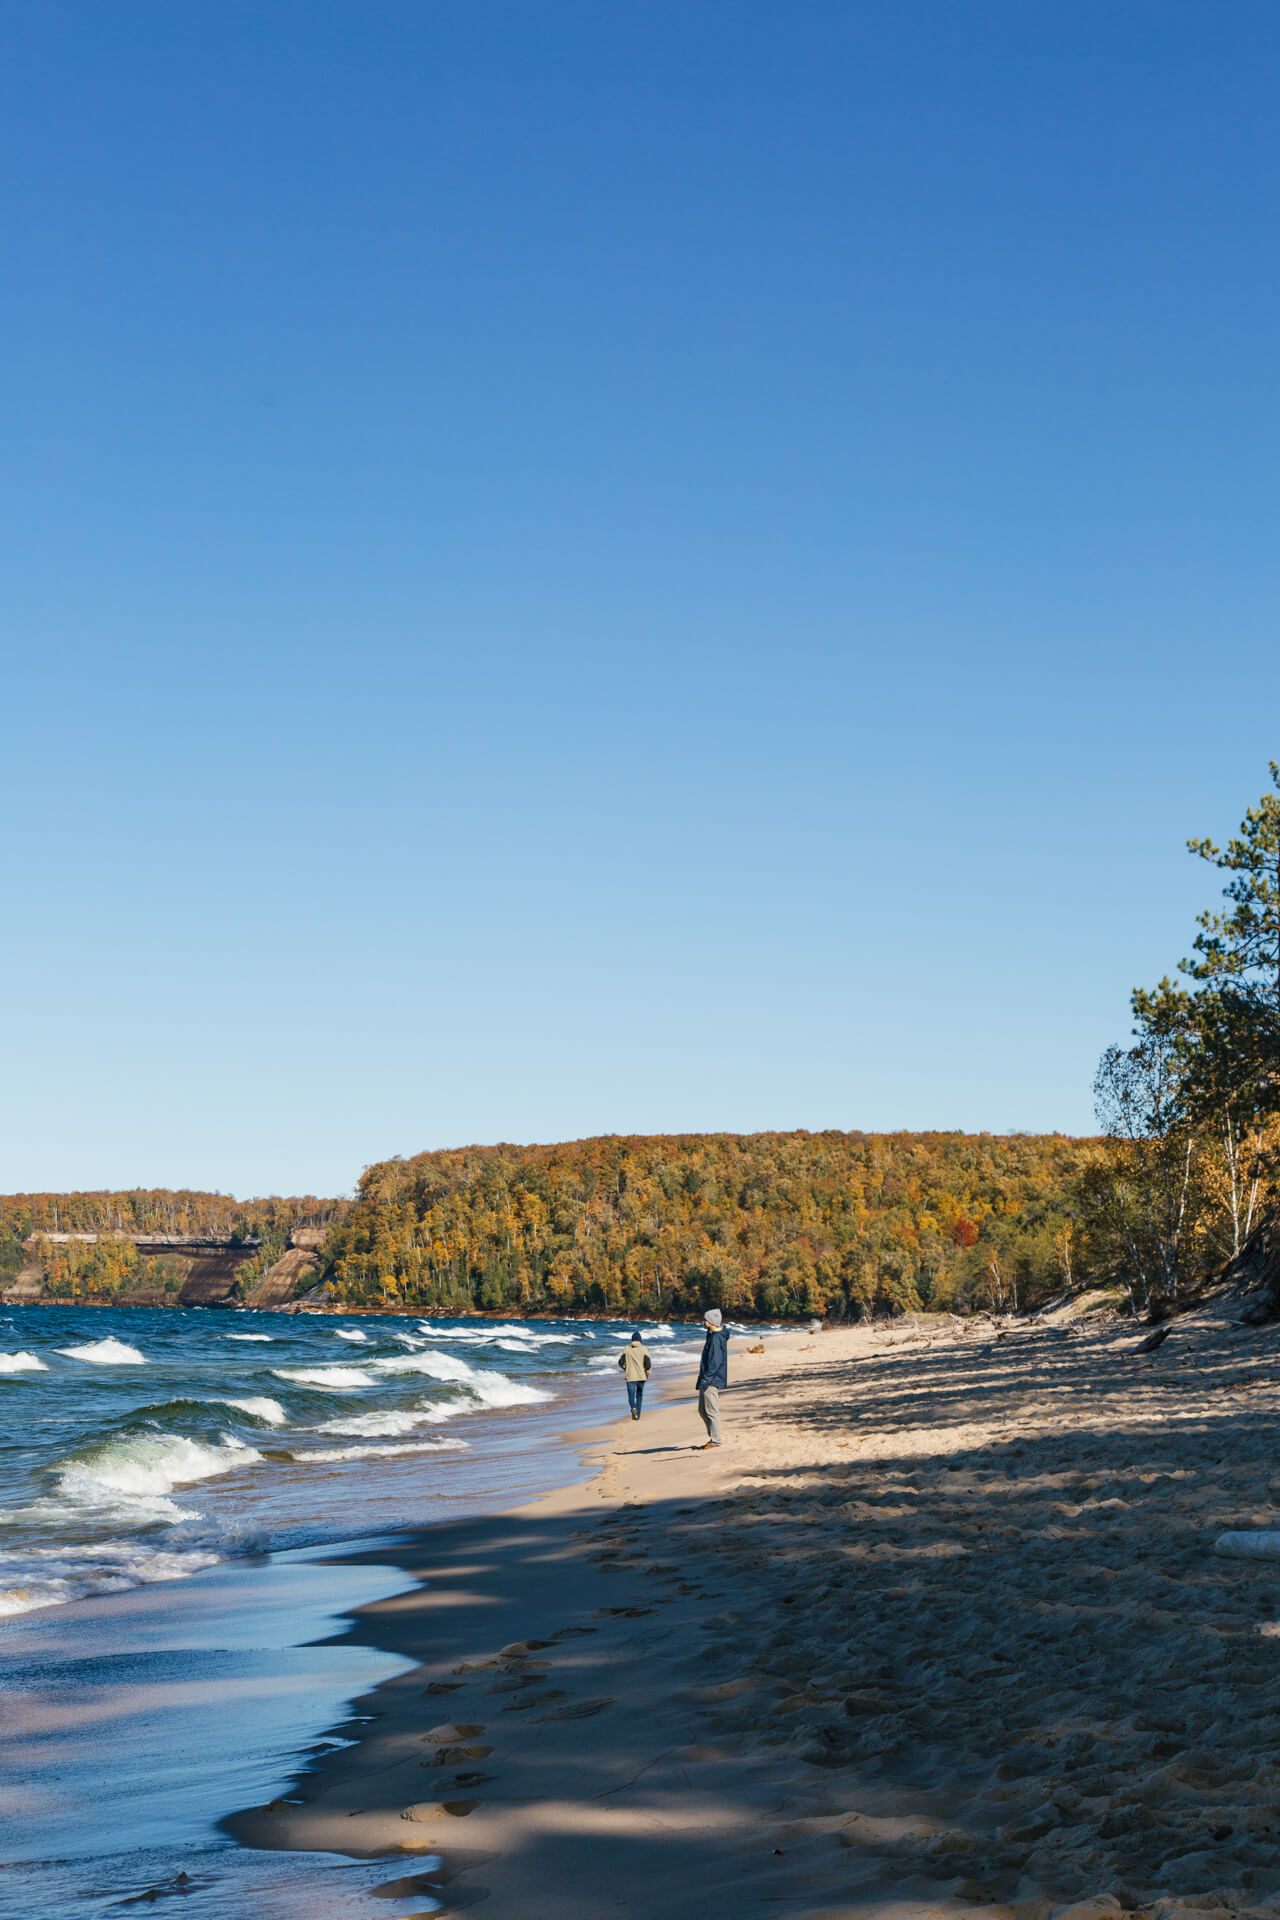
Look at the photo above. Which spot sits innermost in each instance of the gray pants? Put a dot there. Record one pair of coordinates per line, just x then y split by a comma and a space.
709, 1408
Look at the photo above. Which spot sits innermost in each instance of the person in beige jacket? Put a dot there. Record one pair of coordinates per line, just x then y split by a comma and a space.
636, 1366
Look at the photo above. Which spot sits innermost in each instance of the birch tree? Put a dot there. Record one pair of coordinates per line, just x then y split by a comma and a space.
1151, 1204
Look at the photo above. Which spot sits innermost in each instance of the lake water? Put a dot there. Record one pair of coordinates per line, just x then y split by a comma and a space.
171, 1483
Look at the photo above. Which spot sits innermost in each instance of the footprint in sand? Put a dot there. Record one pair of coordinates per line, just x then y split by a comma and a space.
727, 1690
575, 1710
543, 1697
439, 1883
425, 1811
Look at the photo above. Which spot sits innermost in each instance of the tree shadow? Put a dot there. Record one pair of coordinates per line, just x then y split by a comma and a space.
996, 1670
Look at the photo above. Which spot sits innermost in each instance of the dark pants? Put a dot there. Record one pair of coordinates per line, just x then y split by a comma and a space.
635, 1394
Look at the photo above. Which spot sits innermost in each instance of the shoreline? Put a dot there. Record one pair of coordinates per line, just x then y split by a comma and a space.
499, 1315
940, 1631
104, 1686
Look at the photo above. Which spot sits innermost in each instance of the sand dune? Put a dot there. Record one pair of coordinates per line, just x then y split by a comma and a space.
940, 1631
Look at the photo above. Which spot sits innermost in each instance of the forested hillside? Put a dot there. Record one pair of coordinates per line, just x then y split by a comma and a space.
112, 1267
160, 1210
775, 1223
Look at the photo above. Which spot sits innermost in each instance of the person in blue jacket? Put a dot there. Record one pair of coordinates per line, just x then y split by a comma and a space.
713, 1373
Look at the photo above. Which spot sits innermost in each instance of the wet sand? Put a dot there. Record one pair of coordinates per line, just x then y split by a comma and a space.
940, 1631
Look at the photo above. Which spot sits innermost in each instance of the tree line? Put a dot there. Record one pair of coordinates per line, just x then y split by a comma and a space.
775, 1224
1190, 1110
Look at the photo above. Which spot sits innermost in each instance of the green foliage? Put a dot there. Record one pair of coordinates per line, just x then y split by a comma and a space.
774, 1224
103, 1263
162, 1210
1237, 1008
1190, 1110
111, 1269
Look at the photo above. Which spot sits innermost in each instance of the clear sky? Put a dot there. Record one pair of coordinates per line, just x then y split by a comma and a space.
616, 567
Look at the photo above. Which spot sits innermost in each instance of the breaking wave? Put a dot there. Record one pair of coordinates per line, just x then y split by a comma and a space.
377, 1424
106, 1353
21, 1363
489, 1388
484, 1336
258, 1407
339, 1377
147, 1466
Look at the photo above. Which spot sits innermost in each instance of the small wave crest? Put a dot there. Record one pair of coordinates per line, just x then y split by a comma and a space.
106, 1353
376, 1452
249, 1336
349, 1333
21, 1363
373, 1425
485, 1386
340, 1377
259, 1407
148, 1466
681, 1356
483, 1336
437, 1366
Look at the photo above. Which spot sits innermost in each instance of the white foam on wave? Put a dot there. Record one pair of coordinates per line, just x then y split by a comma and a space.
340, 1378
51, 1576
249, 1336
483, 1336
349, 1333
537, 1339
496, 1390
376, 1424
375, 1453
665, 1357
438, 1366
484, 1386
147, 1466
456, 1336
106, 1353
21, 1363
258, 1407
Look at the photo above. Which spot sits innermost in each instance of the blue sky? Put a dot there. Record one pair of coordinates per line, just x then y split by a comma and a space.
616, 568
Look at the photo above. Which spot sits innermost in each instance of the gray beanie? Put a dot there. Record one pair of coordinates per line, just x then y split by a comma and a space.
712, 1317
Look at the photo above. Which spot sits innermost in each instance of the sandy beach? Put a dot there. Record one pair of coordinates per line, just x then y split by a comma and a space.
939, 1631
